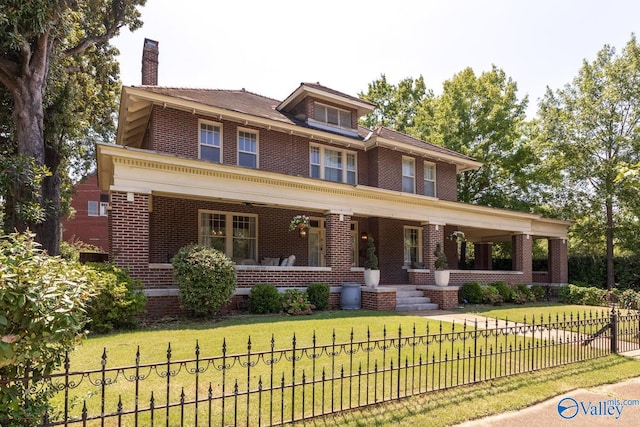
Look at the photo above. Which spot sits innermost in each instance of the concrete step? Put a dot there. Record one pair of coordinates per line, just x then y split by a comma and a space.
416, 307
409, 294
412, 300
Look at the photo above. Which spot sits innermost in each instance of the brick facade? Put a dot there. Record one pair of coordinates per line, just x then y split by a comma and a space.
88, 229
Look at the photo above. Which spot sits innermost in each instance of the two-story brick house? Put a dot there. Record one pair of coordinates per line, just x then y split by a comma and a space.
230, 168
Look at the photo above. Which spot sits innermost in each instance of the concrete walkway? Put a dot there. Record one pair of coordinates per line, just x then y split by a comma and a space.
596, 406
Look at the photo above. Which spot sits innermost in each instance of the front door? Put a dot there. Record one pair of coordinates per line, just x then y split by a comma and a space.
317, 236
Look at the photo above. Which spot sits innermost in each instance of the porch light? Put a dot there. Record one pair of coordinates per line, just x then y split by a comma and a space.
364, 236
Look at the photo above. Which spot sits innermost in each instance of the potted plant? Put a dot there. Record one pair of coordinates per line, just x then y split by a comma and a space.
300, 223
441, 274
371, 270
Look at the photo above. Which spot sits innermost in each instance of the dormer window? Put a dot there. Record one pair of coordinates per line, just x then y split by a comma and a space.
332, 116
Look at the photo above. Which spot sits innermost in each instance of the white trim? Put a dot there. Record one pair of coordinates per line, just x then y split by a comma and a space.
413, 177
404, 246
426, 164
238, 151
343, 153
228, 231
200, 144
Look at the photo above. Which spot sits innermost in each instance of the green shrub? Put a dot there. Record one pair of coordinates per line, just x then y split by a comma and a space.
490, 295
505, 291
118, 301
630, 299
206, 279
519, 297
573, 294
471, 293
71, 250
539, 292
593, 296
42, 316
295, 302
264, 299
528, 293
318, 294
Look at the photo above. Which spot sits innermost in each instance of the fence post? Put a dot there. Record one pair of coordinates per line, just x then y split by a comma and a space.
614, 331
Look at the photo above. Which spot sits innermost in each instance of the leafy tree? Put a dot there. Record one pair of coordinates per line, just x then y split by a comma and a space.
591, 128
61, 78
396, 105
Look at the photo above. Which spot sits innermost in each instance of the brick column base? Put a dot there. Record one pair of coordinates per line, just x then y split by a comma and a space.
445, 296
380, 299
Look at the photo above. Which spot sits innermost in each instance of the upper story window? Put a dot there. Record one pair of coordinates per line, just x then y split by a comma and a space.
210, 141
332, 116
332, 164
408, 175
429, 179
248, 148
95, 208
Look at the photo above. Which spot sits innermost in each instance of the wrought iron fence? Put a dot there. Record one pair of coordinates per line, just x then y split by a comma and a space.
275, 386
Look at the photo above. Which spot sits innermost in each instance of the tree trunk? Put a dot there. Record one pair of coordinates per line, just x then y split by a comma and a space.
611, 280
29, 120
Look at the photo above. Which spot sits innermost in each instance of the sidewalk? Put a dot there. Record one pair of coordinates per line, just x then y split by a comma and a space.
596, 406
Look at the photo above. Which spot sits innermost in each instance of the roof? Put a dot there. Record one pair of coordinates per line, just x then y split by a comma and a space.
248, 107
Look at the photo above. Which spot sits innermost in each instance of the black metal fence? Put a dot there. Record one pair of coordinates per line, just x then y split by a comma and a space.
274, 386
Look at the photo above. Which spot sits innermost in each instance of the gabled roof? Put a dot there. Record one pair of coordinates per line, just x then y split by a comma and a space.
321, 92
252, 109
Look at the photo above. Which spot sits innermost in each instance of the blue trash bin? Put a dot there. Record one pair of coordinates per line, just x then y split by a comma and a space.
350, 296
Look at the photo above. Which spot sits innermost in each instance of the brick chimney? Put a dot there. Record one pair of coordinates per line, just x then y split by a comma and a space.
150, 62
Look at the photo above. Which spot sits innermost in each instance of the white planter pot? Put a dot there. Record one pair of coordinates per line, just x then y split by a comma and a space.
442, 277
372, 278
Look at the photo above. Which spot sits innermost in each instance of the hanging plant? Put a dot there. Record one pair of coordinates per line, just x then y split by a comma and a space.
299, 221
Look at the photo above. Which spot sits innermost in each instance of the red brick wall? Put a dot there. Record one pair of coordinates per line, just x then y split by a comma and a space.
129, 232
378, 299
89, 229
446, 298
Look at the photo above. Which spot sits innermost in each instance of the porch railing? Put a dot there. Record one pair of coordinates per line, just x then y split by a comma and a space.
267, 385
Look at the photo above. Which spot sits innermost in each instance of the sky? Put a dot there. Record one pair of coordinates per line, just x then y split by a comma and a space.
270, 47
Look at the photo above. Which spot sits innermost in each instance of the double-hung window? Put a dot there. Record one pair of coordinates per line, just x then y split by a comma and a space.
408, 175
210, 141
429, 179
412, 246
92, 208
236, 235
248, 148
332, 164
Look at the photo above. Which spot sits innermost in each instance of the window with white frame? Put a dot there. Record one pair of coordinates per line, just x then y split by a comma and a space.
234, 234
332, 164
248, 148
104, 211
332, 116
408, 175
210, 141
412, 246
429, 179
92, 208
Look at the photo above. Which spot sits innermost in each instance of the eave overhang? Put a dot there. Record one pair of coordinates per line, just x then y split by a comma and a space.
141, 171
303, 91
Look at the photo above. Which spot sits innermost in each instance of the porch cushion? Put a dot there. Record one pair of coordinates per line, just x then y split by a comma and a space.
270, 261
291, 261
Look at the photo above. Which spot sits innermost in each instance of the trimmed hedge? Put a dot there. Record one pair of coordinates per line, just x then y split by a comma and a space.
264, 299
319, 295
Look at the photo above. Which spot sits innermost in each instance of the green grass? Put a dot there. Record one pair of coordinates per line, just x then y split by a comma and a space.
543, 313
466, 403
237, 332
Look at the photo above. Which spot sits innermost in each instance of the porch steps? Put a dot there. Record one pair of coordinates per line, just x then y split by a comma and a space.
408, 298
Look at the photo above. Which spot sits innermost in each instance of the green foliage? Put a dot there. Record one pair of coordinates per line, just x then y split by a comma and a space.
119, 299
589, 131
71, 250
264, 299
582, 295
539, 292
471, 293
42, 316
206, 279
490, 295
526, 292
441, 259
295, 302
505, 291
319, 295
371, 262
630, 299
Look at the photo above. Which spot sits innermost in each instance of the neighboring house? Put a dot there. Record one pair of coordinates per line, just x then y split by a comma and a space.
230, 169
90, 222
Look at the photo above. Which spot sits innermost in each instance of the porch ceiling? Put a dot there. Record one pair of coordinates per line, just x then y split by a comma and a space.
133, 170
